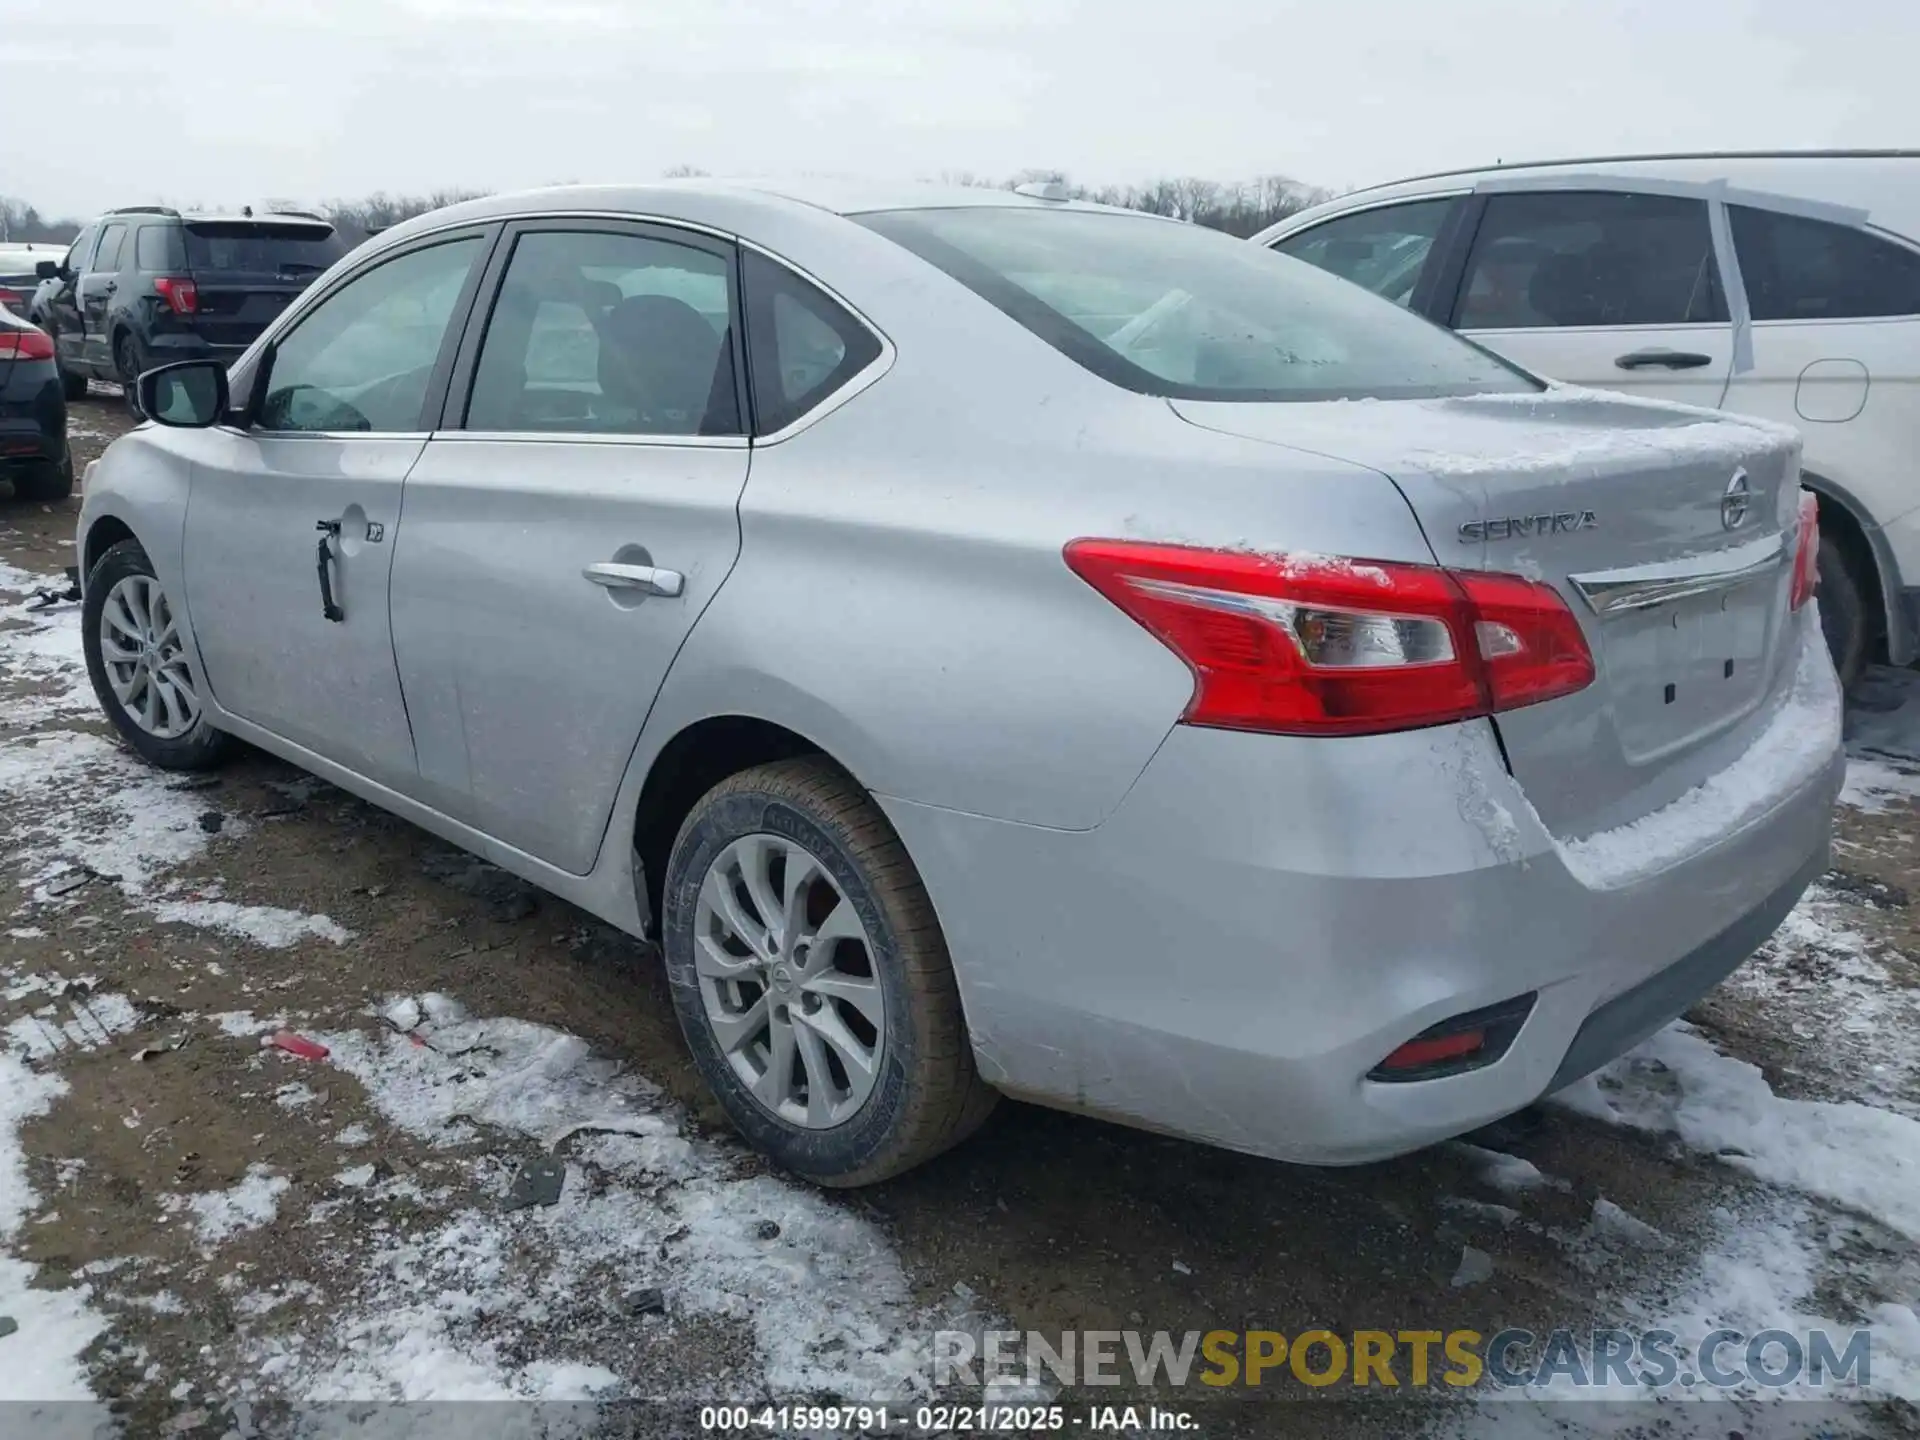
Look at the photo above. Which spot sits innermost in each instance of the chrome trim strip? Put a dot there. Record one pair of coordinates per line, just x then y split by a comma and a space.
592, 437
1641, 587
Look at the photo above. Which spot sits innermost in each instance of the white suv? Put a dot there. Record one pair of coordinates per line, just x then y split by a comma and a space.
1785, 286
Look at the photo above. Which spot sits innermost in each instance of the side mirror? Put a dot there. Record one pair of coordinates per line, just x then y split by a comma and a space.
189, 395
47, 269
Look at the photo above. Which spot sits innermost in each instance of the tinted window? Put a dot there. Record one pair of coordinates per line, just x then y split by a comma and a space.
1574, 257
1382, 249
81, 250
261, 247
361, 359
157, 247
801, 345
599, 332
1175, 310
110, 242
1798, 269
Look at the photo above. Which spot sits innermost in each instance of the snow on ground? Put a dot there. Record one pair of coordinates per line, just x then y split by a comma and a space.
819, 1289
221, 1214
95, 813
41, 1362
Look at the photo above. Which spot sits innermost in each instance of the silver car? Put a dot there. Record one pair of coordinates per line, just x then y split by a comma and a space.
1000, 646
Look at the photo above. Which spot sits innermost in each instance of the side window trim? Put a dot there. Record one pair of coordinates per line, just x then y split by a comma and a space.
451, 414
247, 373
848, 388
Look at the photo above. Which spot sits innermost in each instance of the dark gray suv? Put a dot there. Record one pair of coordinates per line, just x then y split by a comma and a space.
145, 285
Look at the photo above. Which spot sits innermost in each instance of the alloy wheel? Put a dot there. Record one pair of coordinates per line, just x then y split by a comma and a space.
788, 981
145, 658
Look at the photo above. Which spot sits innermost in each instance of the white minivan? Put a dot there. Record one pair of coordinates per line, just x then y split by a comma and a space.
1785, 286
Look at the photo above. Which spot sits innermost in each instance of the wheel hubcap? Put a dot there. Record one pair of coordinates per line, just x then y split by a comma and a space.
145, 658
788, 982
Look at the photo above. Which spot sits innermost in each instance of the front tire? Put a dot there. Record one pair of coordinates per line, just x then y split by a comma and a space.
811, 979
1843, 614
137, 660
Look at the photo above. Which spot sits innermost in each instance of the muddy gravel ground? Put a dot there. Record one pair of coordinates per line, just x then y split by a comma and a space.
197, 1225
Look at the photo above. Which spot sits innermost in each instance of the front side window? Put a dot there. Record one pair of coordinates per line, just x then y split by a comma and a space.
363, 357
109, 256
1187, 313
81, 251
604, 332
801, 345
1800, 269
1383, 249
1561, 258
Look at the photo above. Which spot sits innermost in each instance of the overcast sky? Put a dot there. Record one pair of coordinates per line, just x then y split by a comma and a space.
232, 101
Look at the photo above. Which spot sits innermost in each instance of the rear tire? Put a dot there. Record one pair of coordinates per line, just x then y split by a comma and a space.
46, 482
197, 745
74, 386
1843, 613
807, 1107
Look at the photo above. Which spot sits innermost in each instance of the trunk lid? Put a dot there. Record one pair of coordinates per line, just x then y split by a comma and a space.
247, 271
1668, 531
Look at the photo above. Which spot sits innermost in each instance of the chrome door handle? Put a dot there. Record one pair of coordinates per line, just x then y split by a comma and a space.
648, 578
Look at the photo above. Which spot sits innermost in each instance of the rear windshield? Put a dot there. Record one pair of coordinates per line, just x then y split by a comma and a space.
262, 248
1191, 314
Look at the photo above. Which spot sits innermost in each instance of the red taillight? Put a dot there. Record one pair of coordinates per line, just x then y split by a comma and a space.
1309, 645
1417, 1054
25, 345
12, 299
182, 296
1806, 553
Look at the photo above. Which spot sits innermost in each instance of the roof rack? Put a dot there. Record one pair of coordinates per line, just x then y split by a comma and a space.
1669, 155
144, 210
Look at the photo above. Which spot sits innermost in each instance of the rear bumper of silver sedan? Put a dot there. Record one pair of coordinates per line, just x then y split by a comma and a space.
1233, 952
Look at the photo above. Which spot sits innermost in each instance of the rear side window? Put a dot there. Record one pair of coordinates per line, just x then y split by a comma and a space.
1590, 258
801, 345
602, 332
157, 247
1383, 249
262, 248
1800, 269
110, 242
1178, 311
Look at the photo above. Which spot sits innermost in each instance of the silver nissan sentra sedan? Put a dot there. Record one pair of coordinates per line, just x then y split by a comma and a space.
1000, 646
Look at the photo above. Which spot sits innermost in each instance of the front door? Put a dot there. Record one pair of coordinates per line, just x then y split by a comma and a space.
69, 330
292, 521
569, 524
96, 290
1609, 289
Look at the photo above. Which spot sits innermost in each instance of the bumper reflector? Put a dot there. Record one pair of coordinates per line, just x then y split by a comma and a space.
1468, 1041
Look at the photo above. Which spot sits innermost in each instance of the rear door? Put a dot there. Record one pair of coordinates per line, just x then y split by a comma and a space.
245, 272
569, 522
96, 289
302, 507
1613, 289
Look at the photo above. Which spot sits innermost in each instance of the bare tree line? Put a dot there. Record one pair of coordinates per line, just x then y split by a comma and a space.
1237, 207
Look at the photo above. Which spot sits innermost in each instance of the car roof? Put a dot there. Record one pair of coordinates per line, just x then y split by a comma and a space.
1882, 185
838, 196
